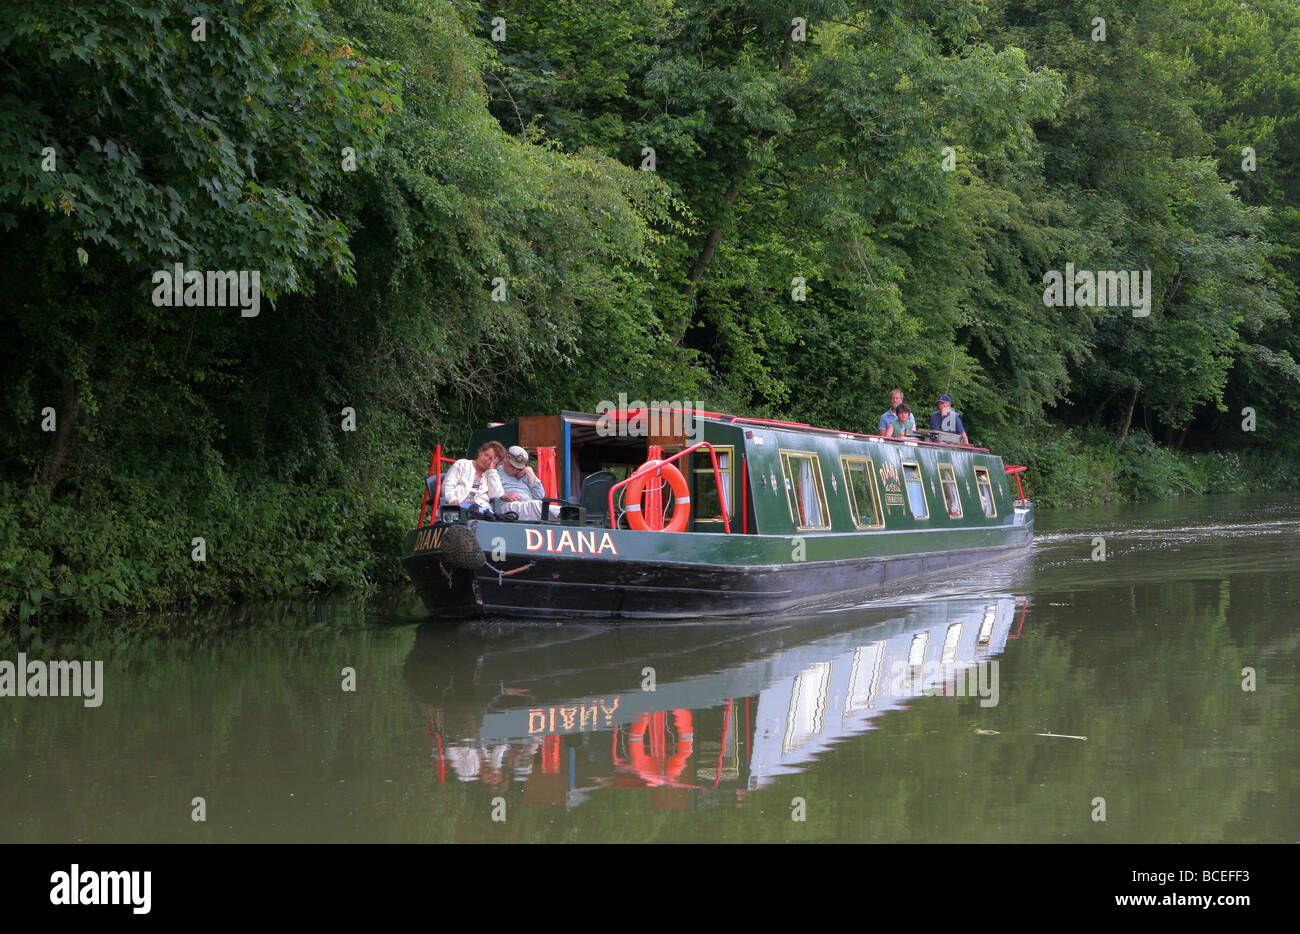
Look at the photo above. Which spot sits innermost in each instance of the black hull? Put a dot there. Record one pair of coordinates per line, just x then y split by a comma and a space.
556, 587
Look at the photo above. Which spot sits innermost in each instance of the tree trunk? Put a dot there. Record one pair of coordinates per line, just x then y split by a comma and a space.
67, 419
711, 242
1128, 418
1182, 436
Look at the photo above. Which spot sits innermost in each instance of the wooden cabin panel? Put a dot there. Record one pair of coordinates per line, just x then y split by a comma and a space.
541, 431
669, 430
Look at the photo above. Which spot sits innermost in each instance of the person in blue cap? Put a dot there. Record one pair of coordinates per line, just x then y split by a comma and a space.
948, 419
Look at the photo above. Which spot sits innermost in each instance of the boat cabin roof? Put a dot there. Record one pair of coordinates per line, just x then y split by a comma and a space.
593, 422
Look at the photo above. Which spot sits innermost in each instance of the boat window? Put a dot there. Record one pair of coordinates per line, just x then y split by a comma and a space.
803, 489
704, 490
985, 487
915, 491
951, 495
864, 499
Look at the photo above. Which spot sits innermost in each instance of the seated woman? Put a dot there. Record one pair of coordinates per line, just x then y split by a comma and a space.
473, 484
904, 424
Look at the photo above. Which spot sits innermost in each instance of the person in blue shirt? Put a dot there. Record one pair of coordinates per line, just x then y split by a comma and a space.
948, 419
895, 400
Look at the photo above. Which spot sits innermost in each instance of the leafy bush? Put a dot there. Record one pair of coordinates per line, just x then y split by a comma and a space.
1067, 467
1080, 467
127, 545
1149, 471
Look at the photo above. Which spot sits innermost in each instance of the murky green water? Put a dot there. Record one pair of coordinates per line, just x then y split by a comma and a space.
998, 705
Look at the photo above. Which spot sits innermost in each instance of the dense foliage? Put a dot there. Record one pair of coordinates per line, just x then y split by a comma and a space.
464, 210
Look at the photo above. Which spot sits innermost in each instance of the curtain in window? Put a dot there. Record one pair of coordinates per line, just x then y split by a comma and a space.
951, 498
916, 497
812, 509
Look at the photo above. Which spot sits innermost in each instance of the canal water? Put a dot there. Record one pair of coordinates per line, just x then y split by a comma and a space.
1147, 697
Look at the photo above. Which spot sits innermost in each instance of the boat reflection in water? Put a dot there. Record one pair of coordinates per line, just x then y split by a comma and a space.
699, 712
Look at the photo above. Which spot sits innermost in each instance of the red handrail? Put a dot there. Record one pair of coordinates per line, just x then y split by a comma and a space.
436, 463
646, 469
1012, 471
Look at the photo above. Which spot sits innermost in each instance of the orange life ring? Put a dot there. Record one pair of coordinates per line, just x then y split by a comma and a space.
653, 765
681, 498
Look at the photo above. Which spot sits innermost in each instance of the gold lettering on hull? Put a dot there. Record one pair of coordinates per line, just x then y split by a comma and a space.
430, 538
569, 542
893, 487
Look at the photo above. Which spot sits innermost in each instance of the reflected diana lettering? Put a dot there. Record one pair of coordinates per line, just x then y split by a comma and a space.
572, 719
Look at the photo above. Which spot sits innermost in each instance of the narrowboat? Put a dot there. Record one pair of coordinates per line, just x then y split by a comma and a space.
676, 513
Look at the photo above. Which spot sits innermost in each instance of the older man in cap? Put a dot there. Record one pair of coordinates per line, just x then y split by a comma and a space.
523, 492
947, 419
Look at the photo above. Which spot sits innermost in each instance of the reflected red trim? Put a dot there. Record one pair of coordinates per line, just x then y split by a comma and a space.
442, 759
551, 754
722, 750
1024, 608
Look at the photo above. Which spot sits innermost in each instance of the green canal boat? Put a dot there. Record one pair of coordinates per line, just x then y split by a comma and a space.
671, 513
